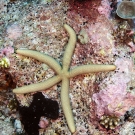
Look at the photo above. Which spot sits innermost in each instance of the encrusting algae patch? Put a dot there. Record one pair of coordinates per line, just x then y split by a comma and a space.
60, 48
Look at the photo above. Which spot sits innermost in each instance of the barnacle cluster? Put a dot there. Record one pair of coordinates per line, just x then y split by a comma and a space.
4, 62
109, 122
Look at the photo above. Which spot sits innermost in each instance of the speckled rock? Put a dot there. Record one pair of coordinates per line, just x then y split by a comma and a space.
127, 129
3, 128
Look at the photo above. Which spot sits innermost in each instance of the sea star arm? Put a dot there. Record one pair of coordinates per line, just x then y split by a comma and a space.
38, 86
41, 57
69, 48
84, 69
66, 104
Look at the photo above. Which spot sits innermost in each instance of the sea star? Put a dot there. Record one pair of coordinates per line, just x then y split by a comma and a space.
63, 74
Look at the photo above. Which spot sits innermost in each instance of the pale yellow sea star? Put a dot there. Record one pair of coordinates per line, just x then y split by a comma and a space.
63, 74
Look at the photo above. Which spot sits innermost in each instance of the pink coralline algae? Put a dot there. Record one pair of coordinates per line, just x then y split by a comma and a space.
132, 46
14, 31
100, 33
124, 65
86, 8
6, 51
114, 99
43, 123
105, 8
